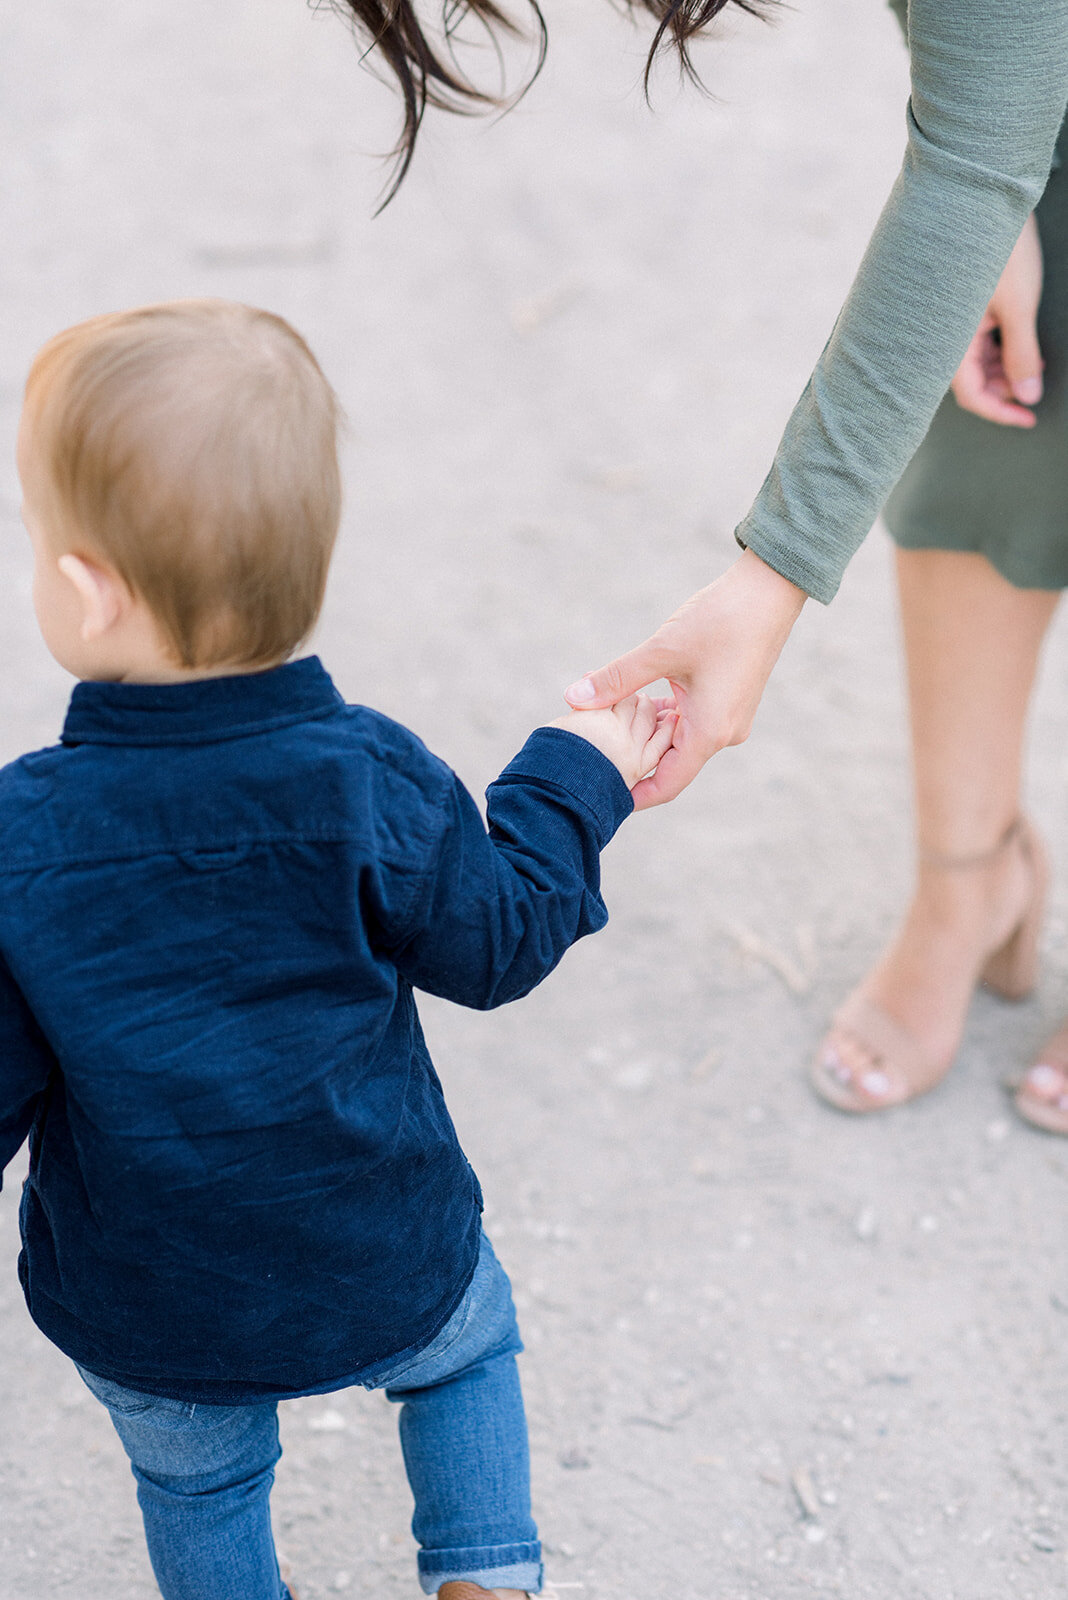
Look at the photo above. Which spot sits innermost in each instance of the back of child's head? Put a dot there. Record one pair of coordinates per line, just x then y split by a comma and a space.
192, 446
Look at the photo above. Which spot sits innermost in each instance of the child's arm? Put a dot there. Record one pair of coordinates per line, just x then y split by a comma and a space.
26, 1063
489, 914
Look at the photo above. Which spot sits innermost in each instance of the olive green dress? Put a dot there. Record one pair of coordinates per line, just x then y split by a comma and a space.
976, 485
989, 88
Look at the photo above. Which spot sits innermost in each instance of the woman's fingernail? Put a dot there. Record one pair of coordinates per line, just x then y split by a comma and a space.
1044, 1080
1029, 391
582, 690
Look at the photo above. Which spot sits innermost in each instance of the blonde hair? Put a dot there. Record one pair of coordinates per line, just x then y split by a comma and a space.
193, 446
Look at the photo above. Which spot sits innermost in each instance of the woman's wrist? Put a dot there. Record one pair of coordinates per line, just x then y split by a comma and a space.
781, 596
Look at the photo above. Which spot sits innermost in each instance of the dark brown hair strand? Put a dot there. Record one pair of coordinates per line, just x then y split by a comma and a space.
429, 75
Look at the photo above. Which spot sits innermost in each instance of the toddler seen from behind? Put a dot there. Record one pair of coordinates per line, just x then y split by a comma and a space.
217, 894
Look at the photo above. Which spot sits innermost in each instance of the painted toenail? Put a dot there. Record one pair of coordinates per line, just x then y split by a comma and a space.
1044, 1080
876, 1084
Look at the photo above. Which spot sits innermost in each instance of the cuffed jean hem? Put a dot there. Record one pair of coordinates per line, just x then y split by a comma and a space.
502, 1566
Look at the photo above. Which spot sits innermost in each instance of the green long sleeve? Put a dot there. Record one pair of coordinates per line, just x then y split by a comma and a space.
989, 90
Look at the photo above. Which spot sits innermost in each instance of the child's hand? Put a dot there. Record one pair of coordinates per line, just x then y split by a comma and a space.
633, 734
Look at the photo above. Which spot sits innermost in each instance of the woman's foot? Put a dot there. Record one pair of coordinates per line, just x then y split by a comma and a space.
1042, 1097
897, 1034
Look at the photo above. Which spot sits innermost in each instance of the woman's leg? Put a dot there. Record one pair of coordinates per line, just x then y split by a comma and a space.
464, 1437
972, 642
204, 1476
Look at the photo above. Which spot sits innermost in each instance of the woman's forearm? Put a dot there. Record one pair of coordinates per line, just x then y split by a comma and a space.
989, 88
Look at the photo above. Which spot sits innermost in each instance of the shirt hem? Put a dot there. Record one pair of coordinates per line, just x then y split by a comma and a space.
224, 1393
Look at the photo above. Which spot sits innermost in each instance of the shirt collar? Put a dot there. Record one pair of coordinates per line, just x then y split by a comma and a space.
202, 711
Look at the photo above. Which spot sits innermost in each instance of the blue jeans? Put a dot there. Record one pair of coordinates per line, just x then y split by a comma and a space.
204, 1472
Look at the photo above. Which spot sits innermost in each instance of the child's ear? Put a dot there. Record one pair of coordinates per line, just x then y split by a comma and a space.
102, 594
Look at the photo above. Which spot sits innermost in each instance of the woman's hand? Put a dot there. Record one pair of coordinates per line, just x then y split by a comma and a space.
1001, 374
717, 652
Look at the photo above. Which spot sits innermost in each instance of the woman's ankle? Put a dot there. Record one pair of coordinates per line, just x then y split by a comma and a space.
973, 900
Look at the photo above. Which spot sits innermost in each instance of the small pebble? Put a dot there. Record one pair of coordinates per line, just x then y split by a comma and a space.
1045, 1539
866, 1224
327, 1422
805, 1490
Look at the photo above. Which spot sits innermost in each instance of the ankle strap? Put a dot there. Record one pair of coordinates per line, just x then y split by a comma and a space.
947, 862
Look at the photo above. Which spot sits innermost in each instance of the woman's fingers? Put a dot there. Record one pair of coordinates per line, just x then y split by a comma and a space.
1015, 305
620, 678
716, 652
1021, 358
1001, 374
981, 384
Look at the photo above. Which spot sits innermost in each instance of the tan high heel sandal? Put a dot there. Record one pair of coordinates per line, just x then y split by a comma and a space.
1045, 1110
1009, 971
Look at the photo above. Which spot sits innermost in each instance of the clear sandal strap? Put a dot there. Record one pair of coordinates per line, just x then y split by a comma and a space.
980, 858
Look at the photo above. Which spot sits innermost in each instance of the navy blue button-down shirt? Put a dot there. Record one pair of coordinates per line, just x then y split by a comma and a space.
215, 900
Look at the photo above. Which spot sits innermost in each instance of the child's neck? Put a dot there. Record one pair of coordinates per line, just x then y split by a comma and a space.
165, 671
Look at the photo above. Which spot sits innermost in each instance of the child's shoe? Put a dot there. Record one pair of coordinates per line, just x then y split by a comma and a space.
462, 1590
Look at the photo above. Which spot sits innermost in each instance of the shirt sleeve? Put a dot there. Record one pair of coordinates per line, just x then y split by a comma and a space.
989, 89
25, 1067
493, 911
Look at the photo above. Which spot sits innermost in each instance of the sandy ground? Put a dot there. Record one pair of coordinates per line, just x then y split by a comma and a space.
566, 353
